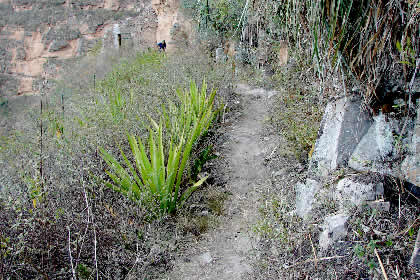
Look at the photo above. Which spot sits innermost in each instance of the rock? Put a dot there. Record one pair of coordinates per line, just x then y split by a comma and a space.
220, 55
342, 127
410, 167
57, 45
415, 256
305, 195
376, 151
334, 228
204, 213
381, 206
205, 258
354, 191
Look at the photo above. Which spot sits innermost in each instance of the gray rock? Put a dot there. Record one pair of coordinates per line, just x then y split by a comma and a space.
352, 191
305, 196
334, 228
381, 206
342, 127
220, 55
205, 258
376, 151
410, 167
57, 45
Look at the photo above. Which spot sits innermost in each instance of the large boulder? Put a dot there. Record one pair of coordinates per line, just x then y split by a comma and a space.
376, 151
343, 125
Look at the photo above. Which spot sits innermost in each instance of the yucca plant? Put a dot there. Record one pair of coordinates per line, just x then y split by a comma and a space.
158, 172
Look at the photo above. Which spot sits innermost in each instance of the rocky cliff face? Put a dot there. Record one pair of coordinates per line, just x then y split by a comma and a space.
38, 36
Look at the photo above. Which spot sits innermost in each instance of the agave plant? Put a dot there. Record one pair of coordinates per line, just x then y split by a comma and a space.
156, 172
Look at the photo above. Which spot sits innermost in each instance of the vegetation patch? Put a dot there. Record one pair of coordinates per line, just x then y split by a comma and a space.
59, 220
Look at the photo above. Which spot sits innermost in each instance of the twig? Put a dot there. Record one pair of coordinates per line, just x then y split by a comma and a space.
137, 260
87, 226
381, 264
71, 258
406, 230
313, 250
240, 20
224, 111
311, 260
95, 242
399, 206
91, 219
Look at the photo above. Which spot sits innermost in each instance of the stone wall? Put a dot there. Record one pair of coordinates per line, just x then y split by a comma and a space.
361, 159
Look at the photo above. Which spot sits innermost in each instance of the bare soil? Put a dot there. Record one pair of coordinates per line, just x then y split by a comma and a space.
224, 252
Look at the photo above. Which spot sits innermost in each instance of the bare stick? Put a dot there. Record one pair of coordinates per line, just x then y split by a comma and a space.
137, 260
71, 258
381, 264
91, 219
40, 144
87, 226
313, 250
95, 242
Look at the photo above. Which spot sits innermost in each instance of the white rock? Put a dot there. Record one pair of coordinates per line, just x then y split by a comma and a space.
334, 228
220, 55
343, 125
382, 206
376, 150
305, 195
205, 258
351, 192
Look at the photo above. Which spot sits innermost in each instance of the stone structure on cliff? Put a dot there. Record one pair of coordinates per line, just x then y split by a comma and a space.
38, 36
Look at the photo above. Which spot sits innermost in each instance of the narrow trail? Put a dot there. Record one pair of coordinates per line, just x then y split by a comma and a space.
224, 252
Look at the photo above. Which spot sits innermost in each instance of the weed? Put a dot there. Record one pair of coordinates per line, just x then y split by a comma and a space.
216, 202
296, 114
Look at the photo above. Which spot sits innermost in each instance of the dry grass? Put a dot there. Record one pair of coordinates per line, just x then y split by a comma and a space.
58, 221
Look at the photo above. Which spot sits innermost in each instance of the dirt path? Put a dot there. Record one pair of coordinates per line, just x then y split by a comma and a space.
223, 253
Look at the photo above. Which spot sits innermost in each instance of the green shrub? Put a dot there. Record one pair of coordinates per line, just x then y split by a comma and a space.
159, 173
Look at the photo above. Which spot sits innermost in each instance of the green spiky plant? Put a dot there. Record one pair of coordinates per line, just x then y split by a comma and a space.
158, 173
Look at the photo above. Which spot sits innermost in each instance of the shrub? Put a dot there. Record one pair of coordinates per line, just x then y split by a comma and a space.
159, 174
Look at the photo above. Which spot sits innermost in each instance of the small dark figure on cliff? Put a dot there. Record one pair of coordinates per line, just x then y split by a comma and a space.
162, 46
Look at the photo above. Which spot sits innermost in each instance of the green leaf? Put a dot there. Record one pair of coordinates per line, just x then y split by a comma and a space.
399, 47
